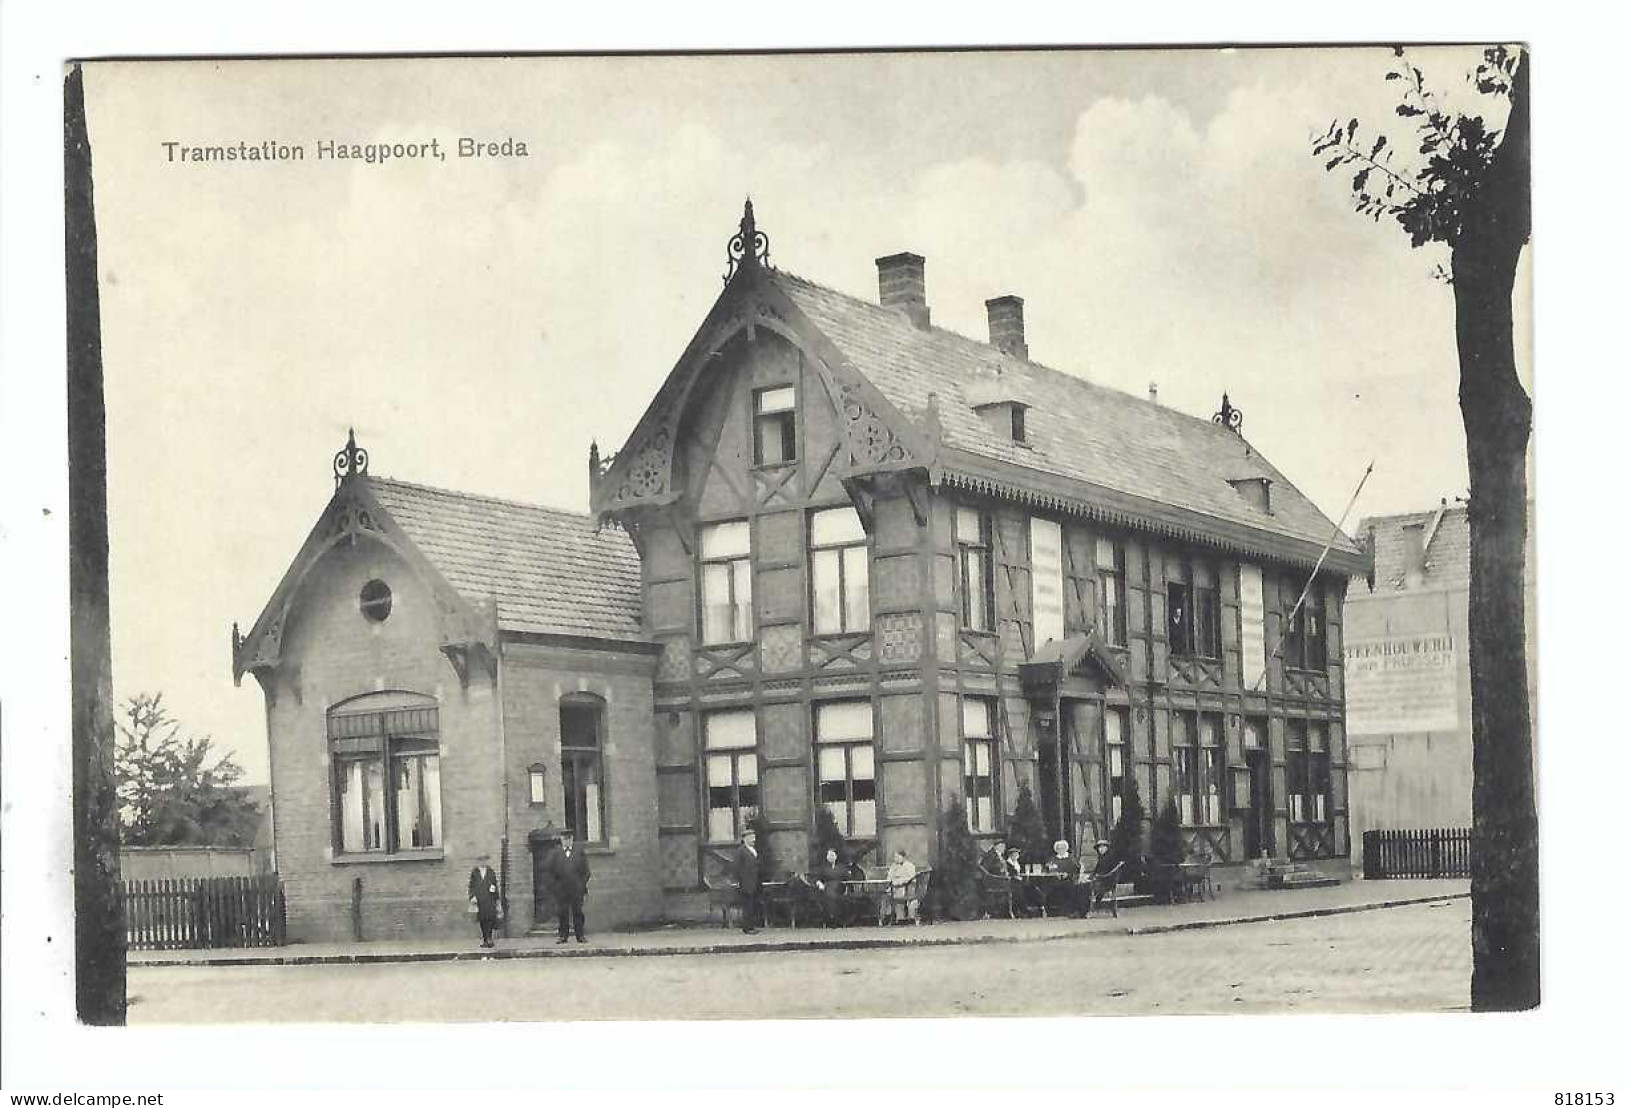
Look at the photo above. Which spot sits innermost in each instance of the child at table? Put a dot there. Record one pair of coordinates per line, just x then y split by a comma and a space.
900, 876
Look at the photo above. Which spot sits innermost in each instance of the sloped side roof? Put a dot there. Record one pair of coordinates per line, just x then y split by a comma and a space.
549, 571
1076, 430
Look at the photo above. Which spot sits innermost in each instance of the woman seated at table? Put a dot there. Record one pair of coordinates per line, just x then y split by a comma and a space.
827, 878
1068, 894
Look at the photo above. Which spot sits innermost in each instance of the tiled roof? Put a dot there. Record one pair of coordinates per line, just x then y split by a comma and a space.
1445, 564
549, 571
1076, 430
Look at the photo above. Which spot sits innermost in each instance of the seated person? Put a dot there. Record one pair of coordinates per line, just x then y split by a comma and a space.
1029, 901
993, 862
827, 879
1090, 889
901, 906
1067, 894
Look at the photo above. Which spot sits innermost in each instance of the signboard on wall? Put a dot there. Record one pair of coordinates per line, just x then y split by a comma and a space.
1049, 620
1252, 627
1401, 684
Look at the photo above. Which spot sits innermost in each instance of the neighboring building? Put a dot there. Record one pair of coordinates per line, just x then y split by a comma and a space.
886, 564
1409, 687
877, 565
447, 675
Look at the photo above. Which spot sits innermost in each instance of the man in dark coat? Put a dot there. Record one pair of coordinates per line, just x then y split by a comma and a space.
748, 876
570, 875
485, 893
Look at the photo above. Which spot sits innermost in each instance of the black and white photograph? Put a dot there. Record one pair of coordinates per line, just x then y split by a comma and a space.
820, 535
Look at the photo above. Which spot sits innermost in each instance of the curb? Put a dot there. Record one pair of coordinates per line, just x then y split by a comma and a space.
792, 945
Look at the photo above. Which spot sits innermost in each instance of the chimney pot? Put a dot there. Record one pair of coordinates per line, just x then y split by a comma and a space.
1006, 327
902, 285
1153, 393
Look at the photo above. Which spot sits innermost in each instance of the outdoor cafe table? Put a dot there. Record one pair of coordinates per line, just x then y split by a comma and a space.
1046, 883
871, 892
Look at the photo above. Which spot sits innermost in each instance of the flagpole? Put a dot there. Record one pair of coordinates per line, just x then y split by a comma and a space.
1337, 531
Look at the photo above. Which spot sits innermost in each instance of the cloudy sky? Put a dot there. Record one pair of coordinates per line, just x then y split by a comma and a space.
479, 321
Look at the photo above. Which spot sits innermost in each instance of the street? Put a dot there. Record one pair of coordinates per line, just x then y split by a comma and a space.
1412, 958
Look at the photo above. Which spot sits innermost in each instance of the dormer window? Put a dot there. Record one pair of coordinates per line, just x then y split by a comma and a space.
776, 425
1254, 490
1008, 419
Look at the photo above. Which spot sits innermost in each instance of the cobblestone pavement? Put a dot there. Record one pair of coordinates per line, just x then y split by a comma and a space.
1411, 958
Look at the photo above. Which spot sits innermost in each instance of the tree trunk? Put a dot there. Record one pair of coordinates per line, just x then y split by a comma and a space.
97, 915
1496, 416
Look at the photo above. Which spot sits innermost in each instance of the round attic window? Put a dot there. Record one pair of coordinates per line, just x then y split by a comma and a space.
376, 600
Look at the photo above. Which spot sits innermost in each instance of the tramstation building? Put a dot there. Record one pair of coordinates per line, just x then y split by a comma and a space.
846, 560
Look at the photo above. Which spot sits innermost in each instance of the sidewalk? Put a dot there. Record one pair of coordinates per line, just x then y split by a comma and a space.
1231, 907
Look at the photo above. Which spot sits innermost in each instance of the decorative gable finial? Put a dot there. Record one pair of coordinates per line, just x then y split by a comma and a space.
748, 248
1228, 416
349, 462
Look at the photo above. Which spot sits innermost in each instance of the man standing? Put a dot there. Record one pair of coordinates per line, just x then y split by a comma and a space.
748, 876
485, 898
570, 876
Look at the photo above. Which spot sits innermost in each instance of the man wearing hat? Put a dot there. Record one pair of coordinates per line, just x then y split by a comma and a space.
1086, 898
570, 876
485, 898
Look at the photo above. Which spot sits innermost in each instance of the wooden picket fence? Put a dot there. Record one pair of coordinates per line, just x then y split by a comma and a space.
198, 913
1439, 852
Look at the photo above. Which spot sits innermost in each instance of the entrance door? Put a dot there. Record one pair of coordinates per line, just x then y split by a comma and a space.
544, 900
1054, 803
1258, 832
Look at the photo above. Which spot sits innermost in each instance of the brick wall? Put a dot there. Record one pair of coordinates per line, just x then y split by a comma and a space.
330, 654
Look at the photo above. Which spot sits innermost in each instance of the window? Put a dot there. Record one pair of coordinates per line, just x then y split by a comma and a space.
725, 582
1308, 772
581, 738
844, 737
1305, 630
1193, 608
732, 790
1207, 608
975, 569
376, 601
1183, 746
977, 715
1210, 770
1018, 423
840, 572
1181, 631
1116, 759
386, 774
776, 425
1113, 605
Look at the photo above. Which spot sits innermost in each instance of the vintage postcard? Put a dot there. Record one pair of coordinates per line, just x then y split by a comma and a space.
769, 536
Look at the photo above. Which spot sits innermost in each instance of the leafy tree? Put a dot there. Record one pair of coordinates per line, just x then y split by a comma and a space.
1167, 847
1027, 831
174, 789
1470, 192
954, 880
1128, 834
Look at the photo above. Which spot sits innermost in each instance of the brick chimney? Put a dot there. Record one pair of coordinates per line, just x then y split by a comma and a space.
1006, 328
902, 285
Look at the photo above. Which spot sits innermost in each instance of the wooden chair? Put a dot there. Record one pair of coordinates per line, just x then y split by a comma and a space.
998, 894
912, 895
724, 895
1103, 886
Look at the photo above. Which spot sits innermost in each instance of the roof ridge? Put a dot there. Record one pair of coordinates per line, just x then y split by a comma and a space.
585, 517
1019, 363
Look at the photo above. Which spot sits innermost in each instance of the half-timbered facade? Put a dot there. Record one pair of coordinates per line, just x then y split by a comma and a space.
885, 564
